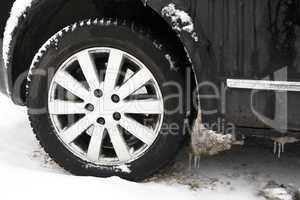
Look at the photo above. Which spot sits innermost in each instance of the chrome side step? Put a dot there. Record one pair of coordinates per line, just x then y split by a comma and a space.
263, 85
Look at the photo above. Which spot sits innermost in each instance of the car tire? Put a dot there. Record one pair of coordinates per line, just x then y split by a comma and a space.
138, 45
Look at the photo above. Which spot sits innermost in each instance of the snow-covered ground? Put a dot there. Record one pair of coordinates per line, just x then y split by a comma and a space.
27, 172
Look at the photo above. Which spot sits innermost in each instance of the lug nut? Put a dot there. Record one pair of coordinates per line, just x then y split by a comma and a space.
101, 121
115, 98
98, 93
89, 107
117, 116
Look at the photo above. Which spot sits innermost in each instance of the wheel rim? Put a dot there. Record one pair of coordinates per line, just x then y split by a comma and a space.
106, 106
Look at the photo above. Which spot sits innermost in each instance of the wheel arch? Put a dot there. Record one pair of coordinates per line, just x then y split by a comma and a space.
195, 42
15, 41
36, 18
198, 49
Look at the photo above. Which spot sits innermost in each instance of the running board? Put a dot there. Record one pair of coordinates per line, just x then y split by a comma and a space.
263, 85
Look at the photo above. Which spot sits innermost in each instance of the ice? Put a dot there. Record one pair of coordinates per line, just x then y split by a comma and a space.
279, 144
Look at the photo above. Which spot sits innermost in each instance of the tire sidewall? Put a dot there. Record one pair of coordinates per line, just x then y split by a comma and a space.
113, 36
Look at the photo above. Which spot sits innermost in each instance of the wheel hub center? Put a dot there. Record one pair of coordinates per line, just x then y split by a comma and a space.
106, 108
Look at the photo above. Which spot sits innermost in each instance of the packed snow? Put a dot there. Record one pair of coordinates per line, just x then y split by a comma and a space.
208, 142
180, 20
241, 173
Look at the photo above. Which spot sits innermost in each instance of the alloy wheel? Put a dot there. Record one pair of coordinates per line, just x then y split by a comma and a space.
106, 106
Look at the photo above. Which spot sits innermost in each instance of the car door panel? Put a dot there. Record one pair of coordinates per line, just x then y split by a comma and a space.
255, 40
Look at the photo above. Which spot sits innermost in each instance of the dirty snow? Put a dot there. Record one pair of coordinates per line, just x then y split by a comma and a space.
27, 172
278, 194
180, 20
208, 142
18, 10
274, 191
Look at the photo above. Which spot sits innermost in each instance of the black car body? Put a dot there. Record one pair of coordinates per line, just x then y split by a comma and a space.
238, 39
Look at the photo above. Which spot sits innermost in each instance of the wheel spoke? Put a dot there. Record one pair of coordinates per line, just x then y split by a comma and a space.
134, 83
95, 143
99, 107
142, 107
119, 144
140, 131
89, 69
74, 131
113, 69
60, 107
68, 82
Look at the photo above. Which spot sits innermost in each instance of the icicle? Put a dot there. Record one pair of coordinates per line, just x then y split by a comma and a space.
279, 150
279, 144
196, 161
191, 161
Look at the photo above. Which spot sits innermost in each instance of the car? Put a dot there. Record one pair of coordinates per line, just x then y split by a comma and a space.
117, 87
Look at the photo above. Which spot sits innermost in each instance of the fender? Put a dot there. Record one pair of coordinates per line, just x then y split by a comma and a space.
22, 14
194, 40
197, 45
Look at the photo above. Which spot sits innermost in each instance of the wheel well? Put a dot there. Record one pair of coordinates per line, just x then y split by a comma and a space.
39, 29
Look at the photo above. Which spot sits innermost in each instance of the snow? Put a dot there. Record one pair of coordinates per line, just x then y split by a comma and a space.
18, 10
275, 191
145, 2
278, 193
180, 20
27, 172
171, 62
208, 142
4, 80
124, 168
